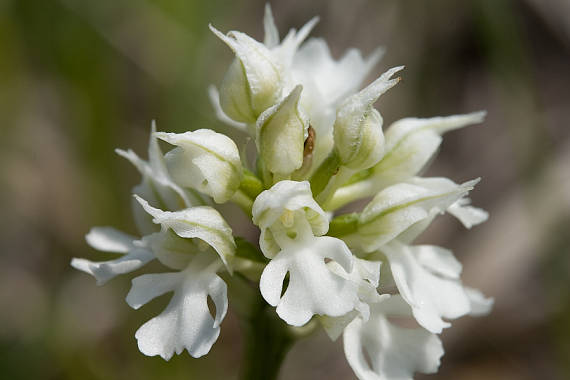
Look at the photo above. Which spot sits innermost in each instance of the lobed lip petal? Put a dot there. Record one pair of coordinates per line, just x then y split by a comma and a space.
186, 323
428, 279
313, 288
395, 352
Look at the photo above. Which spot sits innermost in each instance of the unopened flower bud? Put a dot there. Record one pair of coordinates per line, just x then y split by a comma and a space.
253, 81
281, 133
359, 141
205, 161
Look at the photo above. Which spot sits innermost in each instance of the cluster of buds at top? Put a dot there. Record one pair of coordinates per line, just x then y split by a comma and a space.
320, 145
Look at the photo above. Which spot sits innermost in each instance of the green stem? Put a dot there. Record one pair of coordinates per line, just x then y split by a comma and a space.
267, 341
243, 201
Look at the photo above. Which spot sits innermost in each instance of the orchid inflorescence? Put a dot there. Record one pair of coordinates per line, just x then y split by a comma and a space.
320, 146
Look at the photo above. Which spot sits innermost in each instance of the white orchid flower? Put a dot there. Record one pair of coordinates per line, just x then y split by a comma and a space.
395, 352
399, 207
313, 287
428, 279
274, 210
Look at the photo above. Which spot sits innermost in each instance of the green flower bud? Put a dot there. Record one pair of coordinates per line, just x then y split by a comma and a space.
206, 161
281, 133
253, 81
358, 137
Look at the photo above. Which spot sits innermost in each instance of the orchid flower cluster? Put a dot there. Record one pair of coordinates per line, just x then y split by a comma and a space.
319, 146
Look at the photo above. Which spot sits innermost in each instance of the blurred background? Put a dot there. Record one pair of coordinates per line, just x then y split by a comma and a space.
79, 78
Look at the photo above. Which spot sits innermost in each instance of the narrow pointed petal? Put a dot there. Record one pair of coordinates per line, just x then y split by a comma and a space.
271, 34
480, 305
156, 178
103, 271
214, 97
108, 239
468, 215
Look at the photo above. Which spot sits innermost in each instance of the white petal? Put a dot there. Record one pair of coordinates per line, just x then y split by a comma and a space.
149, 286
313, 66
431, 297
206, 161
156, 178
352, 109
172, 250
438, 260
358, 127
104, 271
313, 288
286, 200
109, 239
395, 352
201, 222
214, 97
271, 38
405, 160
468, 215
365, 276
244, 97
286, 52
405, 128
290, 196
411, 143
186, 323
480, 305
401, 206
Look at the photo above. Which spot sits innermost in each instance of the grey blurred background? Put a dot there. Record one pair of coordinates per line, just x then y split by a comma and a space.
79, 78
